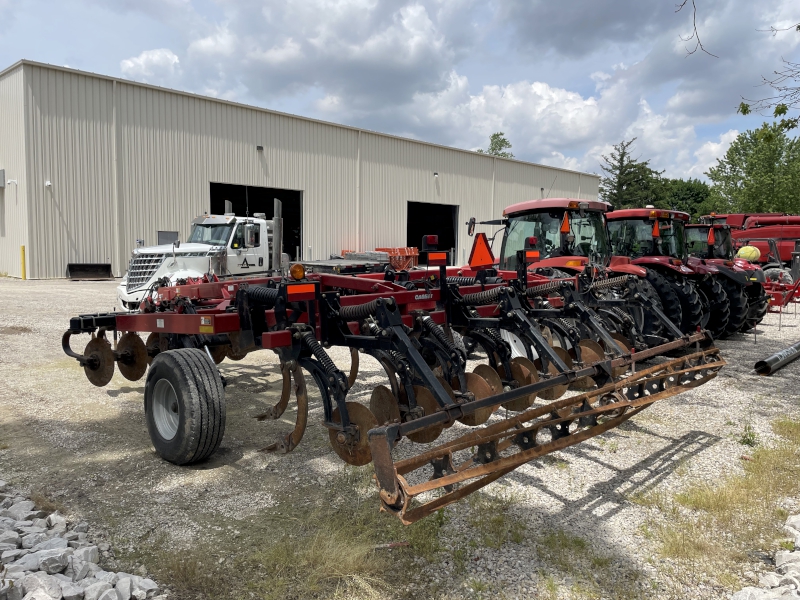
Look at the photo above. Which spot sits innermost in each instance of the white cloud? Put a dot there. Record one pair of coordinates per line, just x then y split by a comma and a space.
706, 155
152, 66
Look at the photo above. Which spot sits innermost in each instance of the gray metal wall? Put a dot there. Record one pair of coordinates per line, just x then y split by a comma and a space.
134, 159
13, 209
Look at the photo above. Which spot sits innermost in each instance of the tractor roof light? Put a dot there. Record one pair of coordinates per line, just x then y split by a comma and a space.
297, 271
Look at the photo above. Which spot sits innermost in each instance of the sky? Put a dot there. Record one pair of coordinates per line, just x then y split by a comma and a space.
563, 80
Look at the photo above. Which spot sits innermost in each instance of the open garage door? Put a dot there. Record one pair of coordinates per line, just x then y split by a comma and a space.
248, 199
425, 218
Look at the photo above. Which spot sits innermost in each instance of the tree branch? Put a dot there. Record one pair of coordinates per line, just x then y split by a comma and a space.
698, 44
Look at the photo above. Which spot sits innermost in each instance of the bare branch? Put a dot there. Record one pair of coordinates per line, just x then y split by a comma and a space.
698, 44
775, 30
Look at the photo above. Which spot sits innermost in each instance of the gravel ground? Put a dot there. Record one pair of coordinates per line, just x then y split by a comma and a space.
87, 448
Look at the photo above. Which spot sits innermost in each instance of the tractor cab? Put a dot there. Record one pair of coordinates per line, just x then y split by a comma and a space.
702, 243
566, 233
649, 235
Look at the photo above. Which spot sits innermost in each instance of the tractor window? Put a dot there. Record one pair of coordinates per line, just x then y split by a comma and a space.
587, 236
634, 238
213, 235
697, 241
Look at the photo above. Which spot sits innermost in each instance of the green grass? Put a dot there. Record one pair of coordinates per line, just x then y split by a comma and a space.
749, 436
491, 518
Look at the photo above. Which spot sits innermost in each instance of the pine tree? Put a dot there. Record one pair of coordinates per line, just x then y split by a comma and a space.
630, 183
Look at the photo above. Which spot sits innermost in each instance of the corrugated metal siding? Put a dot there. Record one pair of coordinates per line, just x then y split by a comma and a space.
13, 205
71, 145
128, 158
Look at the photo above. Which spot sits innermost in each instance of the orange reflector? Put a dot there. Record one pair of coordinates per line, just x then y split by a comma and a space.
481, 257
656, 231
303, 291
437, 259
710, 236
565, 223
531, 256
573, 263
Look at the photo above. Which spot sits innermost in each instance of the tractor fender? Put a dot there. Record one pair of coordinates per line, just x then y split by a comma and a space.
661, 263
736, 276
570, 263
627, 269
703, 268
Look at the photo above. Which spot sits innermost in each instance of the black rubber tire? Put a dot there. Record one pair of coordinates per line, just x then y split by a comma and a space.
737, 299
670, 304
757, 306
200, 405
779, 275
691, 304
719, 309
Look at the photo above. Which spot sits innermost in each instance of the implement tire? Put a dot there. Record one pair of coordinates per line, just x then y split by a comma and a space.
691, 304
669, 303
184, 403
718, 306
737, 297
757, 306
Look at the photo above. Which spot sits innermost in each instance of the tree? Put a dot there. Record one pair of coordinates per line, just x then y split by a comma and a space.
498, 145
688, 195
629, 182
760, 172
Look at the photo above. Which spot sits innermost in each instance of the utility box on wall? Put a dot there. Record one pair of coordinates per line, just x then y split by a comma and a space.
2, 178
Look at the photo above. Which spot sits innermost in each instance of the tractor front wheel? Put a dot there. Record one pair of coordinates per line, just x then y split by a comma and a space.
718, 306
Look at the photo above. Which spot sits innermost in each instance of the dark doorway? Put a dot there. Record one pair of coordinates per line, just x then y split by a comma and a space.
432, 219
248, 200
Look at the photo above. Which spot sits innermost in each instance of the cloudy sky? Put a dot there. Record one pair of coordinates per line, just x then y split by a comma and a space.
563, 79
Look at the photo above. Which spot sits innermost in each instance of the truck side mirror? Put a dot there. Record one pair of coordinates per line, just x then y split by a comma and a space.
471, 226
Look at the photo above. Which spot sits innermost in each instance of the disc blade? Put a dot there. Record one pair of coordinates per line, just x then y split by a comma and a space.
101, 370
491, 377
133, 356
525, 373
625, 344
428, 403
480, 389
356, 453
218, 353
153, 346
591, 353
384, 405
555, 392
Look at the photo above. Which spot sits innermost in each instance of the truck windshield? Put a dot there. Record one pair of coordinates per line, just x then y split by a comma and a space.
587, 236
213, 235
634, 238
697, 243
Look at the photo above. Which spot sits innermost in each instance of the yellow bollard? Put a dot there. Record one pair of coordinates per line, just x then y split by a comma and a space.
22, 261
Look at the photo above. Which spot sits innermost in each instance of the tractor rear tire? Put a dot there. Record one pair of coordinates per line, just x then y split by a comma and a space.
737, 297
668, 300
757, 306
718, 306
690, 302
184, 403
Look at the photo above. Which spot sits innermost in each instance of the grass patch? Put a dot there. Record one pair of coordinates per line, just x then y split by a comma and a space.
716, 527
749, 436
491, 517
45, 503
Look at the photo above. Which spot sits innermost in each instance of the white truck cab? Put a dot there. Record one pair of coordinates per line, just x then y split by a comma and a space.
222, 245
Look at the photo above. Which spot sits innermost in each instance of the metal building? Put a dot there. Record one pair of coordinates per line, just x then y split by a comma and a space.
90, 164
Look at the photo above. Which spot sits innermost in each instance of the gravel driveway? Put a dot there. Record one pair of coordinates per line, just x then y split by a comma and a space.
87, 449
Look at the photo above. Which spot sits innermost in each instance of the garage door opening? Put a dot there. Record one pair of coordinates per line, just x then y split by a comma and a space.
247, 200
432, 219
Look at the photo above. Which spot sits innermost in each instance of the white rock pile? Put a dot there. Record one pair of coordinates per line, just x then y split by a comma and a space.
785, 581
44, 557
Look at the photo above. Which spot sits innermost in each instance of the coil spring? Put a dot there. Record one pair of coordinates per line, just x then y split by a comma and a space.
461, 280
625, 317
609, 283
263, 295
546, 288
357, 312
487, 297
440, 335
319, 352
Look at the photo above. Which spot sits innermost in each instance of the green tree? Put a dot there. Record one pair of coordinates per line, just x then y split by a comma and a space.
498, 145
688, 195
629, 182
760, 172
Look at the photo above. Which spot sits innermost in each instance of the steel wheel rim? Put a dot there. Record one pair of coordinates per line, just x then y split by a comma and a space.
166, 411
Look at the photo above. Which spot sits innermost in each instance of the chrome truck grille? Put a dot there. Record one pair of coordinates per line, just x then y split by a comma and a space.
142, 268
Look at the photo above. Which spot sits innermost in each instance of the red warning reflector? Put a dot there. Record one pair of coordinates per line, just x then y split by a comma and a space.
481, 257
656, 230
531, 256
303, 291
710, 239
437, 259
565, 223
530, 242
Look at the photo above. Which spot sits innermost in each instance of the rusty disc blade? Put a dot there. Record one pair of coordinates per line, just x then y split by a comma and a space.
553, 393
101, 370
428, 403
480, 389
153, 346
450, 393
133, 356
525, 373
218, 353
591, 353
383, 405
625, 344
491, 377
356, 453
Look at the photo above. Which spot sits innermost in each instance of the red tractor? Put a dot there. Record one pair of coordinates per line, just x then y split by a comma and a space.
655, 239
713, 245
